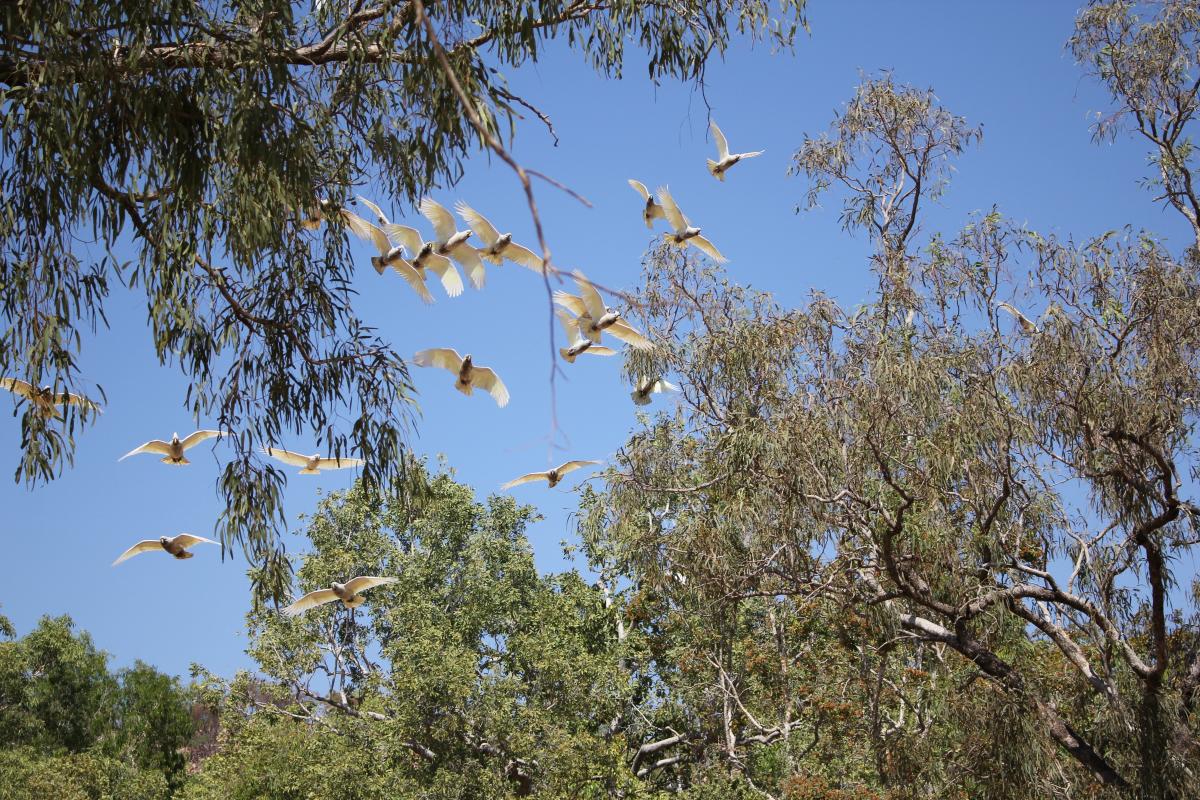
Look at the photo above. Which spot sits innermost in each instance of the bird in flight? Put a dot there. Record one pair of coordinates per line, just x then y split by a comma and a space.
552, 476
499, 246
172, 451
311, 465
577, 344
725, 159
651, 210
452, 242
642, 391
350, 593
175, 545
470, 376
45, 399
389, 255
683, 232
1025, 322
593, 318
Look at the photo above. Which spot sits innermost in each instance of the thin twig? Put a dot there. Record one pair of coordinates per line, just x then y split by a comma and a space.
522, 175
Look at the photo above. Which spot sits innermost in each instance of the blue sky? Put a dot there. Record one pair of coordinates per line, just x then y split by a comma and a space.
1004, 67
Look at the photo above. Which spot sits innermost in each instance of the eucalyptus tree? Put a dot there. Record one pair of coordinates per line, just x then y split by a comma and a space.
990, 507
187, 150
70, 727
471, 676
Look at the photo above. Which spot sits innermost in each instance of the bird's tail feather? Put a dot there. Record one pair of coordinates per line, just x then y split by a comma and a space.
639, 398
465, 388
307, 471
716, 173
378, 264
565, 352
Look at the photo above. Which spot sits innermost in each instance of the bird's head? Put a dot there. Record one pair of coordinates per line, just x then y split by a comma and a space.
504, 240
175, 438
337, 587
163, 540
467, 360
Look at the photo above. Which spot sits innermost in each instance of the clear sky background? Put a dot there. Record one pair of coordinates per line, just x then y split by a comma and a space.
1002, 66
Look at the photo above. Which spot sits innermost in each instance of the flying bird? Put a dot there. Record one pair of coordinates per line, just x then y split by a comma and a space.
423, 257
172, 451
499, 246
651, 210
552, 476
684, 233
594, 318
469, 375
379, 215
576, 343
350, 593
46, 399
725, 159
1025, 322
312, 217
641, 393
175, 545
452, 242
389, 255
311, 465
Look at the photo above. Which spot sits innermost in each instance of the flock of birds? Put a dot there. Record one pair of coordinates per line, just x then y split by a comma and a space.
584, 317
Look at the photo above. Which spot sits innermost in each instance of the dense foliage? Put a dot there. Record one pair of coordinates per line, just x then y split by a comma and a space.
71, 728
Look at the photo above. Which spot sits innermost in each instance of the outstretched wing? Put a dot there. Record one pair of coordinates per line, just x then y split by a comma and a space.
599, 350
414, 279
364, 582
77, 400
571, 302
755, 154
523, 256
189, 539
640, 188
469, 258
310, 600
571, 466
591, 298
144, 546
707, 247
443, 222
479, 223
486, 378
441, 266
383, 220
661, 385
409, 237
153, 446
671, 211
199, 436
367, 232
444, 357
570, 325
339, 463
286, 456
530, 478
18, 386
628, 334
722, 145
